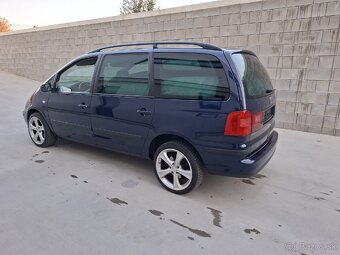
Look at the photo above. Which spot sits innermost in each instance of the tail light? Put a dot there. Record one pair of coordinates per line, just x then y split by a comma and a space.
243, 123
238, 123
256, 121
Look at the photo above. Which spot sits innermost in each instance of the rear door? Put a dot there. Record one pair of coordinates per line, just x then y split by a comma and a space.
258, 92
193, 95
122, 109
69, 105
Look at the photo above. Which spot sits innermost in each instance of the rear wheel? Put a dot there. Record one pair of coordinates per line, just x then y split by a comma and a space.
39, 131
178, 167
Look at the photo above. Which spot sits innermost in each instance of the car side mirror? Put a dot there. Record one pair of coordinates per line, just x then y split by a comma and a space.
45, 87
50, 85
54, 88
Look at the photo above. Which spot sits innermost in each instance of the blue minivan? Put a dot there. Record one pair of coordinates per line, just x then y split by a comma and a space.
191, 110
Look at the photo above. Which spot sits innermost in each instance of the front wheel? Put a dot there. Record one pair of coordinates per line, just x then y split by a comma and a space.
39, 131
178, 167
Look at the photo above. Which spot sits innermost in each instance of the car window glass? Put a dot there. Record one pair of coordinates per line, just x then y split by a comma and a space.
124, 74
254, 76
78, 77
190, 76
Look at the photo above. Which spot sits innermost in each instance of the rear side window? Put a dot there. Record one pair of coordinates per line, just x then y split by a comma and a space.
254, 76
125, 74
190, 76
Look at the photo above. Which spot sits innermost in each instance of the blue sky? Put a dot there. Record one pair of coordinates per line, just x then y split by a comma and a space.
27, 13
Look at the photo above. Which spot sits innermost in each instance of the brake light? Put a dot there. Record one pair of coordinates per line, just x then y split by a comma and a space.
243, 123
238, 123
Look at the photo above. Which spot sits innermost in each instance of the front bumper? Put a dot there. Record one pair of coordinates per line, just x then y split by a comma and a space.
25, 111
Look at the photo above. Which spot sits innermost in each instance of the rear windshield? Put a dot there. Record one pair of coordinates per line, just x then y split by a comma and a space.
254, 76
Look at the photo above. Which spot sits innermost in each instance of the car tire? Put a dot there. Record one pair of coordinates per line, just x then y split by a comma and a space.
177, 167
39, 131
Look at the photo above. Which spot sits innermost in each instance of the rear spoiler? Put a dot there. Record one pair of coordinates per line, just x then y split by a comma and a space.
244, 52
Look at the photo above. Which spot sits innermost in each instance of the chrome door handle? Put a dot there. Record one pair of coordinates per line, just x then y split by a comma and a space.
143, 112
82, 105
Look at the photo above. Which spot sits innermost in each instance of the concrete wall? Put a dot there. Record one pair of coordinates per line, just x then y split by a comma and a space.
297, 40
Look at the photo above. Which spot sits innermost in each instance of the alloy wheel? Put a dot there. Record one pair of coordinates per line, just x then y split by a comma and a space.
36, 130
174, 169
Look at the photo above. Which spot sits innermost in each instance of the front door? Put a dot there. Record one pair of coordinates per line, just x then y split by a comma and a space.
69, 105
122, 109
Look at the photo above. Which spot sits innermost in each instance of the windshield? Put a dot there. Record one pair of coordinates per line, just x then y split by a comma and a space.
254, 76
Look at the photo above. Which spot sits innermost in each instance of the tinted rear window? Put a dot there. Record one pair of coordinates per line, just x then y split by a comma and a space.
190, 76
254, 76
125, 74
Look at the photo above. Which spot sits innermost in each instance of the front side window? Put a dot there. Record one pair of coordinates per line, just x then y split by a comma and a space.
78, 77
190, 76
125, 74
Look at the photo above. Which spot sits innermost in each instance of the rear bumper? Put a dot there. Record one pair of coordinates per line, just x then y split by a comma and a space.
240, 164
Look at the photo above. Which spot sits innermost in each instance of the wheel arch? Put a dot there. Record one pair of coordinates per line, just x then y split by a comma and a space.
30, 112
34, 110
163, 138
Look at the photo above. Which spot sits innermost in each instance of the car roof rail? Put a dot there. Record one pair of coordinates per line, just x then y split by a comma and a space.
155, 45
